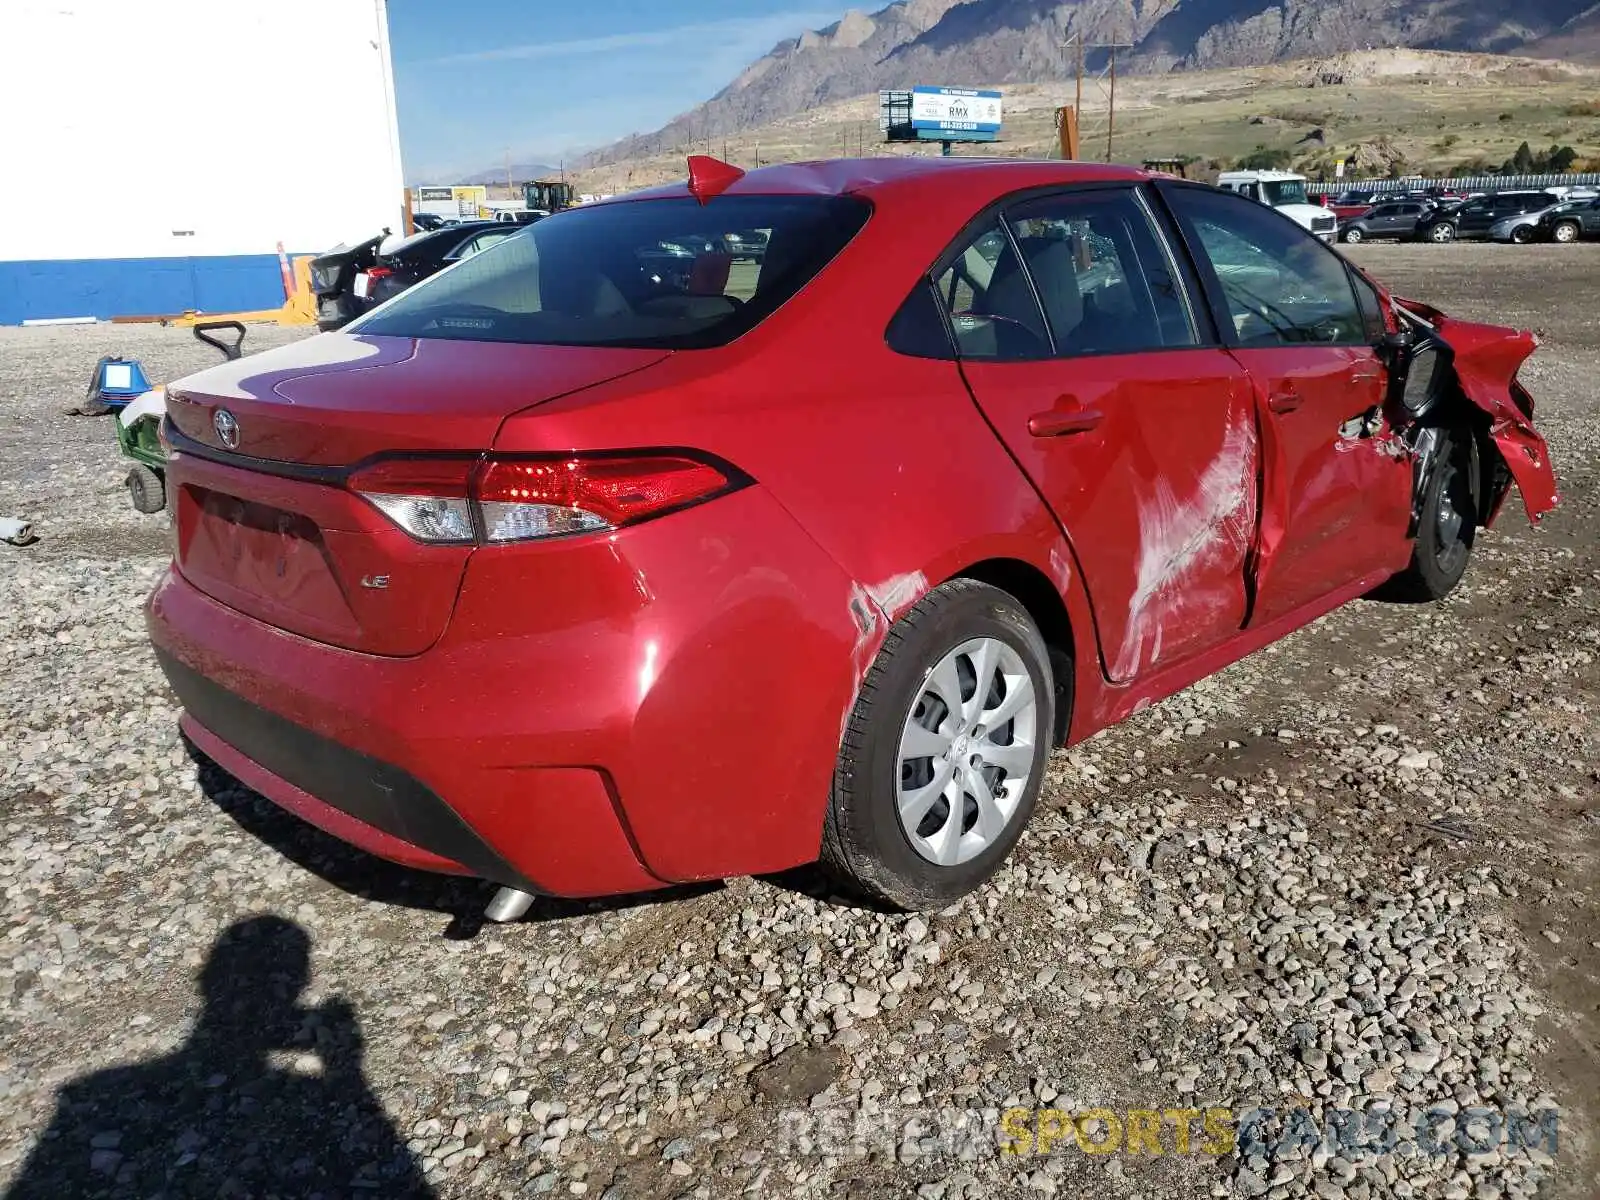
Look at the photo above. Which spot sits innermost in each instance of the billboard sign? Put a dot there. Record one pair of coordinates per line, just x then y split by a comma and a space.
955, 110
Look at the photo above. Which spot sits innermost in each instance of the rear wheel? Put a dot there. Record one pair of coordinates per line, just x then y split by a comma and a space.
1353, 236
1448, 523
1565, 232
146, 489
944, 755
1441, 233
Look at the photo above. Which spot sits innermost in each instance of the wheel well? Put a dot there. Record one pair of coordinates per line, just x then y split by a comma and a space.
1035, 592
1491, 477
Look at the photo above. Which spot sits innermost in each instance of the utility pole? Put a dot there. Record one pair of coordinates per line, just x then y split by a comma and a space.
1077, 104
1111, 111
1111, 114
509, 185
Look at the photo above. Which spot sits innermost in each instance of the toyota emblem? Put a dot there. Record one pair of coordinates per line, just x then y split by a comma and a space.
227, 428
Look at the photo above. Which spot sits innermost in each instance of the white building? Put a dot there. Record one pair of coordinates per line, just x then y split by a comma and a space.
155, 154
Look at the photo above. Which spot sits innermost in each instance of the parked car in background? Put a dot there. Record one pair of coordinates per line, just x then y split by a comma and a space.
1569, 221
1520, 228
1396, 219
1474, 218
748, 244
333, 277
585, 580
422, 254
1354, 202
521, 216
423, 222
1286, 192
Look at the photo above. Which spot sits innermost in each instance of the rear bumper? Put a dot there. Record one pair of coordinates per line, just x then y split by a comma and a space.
601, 716
384, 809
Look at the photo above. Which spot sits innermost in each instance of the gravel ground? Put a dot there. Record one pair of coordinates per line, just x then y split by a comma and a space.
1355, 873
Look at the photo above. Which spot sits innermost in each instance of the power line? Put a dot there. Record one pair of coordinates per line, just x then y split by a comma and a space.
1076, 40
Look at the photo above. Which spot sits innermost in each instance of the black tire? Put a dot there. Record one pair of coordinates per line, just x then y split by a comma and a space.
864, 845
1445, 532
1522, 235
1442, 233
146, 489
1352, 236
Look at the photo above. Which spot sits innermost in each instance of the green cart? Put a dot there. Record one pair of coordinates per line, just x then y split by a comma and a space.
139, 427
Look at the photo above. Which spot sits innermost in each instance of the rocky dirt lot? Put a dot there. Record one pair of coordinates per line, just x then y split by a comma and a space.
1355, 873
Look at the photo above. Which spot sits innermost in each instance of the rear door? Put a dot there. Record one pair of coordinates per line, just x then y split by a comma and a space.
1402, 219
1476, 215
1381, 220
1336, 500
1080, 341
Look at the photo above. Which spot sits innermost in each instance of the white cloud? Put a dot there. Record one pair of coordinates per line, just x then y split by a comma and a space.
763, 32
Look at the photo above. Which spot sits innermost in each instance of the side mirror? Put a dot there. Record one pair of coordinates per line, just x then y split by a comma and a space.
1418, 372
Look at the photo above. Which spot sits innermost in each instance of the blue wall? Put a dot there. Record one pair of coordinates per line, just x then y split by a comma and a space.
138, 287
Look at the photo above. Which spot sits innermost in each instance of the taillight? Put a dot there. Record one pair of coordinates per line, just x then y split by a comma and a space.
446, 500
379, 272
427, 497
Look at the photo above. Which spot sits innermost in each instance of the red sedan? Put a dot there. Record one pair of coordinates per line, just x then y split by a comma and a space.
602, 561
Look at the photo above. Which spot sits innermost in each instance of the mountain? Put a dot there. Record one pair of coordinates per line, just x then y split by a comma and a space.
1578, 39
972, 42
520, 172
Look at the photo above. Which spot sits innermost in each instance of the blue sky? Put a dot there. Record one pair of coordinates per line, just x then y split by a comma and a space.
543, 78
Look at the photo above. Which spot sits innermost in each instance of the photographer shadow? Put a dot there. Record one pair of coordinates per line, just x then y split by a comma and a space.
217, 1118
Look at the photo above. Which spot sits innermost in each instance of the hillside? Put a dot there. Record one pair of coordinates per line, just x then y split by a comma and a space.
967, 42
1413, 110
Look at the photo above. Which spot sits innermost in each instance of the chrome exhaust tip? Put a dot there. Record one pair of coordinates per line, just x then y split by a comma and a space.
509, 904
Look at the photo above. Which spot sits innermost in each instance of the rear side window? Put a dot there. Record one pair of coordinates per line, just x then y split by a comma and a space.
1106, 283
1069, 274
644, 273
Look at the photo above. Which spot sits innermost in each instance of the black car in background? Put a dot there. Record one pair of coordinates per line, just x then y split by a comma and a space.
1473, 218
1570, 222
1392, 219
422, 254
333, 277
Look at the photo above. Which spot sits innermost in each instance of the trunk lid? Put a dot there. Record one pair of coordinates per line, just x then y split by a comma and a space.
264, 523
333, 272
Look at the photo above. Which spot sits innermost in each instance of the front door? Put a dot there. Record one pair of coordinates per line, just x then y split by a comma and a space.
1337, 494
1081, 343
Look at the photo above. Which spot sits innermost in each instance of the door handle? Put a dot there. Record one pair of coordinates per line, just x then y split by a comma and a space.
1284, 402
1059, 423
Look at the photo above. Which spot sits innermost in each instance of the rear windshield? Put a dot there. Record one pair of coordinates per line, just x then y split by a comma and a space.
646, 273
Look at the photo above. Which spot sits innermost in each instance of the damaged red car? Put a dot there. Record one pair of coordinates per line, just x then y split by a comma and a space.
602, 561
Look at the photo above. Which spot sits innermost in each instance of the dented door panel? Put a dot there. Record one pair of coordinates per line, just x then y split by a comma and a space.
1151, 464
1336, 487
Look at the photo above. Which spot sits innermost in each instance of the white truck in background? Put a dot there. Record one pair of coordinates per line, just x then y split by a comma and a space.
1286, 192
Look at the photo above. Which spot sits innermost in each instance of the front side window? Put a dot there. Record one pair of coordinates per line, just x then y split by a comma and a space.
643, 273
1281, 285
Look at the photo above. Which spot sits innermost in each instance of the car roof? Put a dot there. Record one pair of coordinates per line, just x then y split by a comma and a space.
427, 237
873, 176
1264, 176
